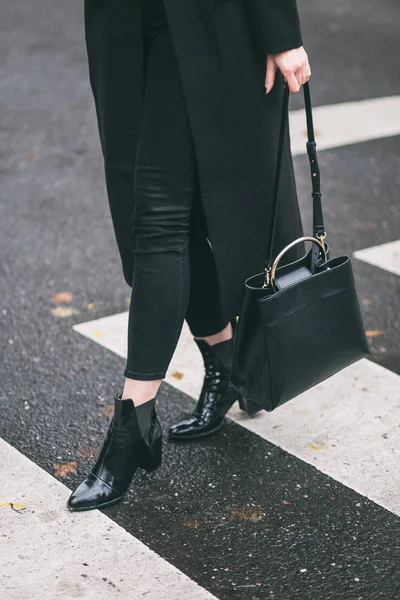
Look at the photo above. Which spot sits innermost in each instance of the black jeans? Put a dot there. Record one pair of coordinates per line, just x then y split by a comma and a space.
174, 274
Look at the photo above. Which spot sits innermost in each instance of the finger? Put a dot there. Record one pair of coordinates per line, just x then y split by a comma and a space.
306, 73
292, 82
306, 70
270, 75
301, 76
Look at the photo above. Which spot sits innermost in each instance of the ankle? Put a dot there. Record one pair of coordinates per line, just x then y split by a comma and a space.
140, 391
222, 336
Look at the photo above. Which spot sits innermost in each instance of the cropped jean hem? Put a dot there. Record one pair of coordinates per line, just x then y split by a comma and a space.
144, 376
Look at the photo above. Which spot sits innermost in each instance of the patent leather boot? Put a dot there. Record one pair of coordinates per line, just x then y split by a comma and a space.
124, 450
216, 397
217, 394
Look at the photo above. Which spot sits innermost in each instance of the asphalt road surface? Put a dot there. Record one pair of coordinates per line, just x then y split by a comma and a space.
273, 507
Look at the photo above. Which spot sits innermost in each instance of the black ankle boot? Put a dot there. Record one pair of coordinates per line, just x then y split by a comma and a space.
216, 397
126, 447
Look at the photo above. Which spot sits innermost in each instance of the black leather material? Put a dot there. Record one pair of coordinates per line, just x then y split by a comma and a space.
216, 396
123, 451
318, 221
292, 335
292, 276
290, 340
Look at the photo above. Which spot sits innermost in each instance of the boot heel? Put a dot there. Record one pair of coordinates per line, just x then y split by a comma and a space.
153, 460
248, 407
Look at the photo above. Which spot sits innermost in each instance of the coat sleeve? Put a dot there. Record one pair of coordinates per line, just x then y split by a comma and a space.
275, 25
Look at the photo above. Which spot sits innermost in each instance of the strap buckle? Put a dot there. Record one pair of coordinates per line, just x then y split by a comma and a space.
321, 237
267, 278
312, 150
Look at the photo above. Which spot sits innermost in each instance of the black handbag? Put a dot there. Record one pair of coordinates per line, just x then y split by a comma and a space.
300, 323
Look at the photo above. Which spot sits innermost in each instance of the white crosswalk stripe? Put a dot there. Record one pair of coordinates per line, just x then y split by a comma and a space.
73, 555
347, 123
384, 256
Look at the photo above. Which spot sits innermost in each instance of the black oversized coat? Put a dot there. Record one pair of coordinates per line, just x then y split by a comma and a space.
221, 48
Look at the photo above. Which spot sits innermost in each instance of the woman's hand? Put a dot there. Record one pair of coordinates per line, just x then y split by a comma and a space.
294, 66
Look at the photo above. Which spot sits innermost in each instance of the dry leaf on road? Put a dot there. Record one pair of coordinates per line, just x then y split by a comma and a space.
64, 311
63, 470
177, 375
16, 507
62, 297
249, 513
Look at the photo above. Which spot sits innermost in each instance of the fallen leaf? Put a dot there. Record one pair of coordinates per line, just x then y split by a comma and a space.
192, 524
366, 301
90, 306
374, 332
177, 375
285, 502
318, 446
251, 513
17, 507
64, 311
109, 410
63, 470
13, 506
97, 333
62, 297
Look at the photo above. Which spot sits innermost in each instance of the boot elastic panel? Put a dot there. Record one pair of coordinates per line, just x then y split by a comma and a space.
144, 416
143, 412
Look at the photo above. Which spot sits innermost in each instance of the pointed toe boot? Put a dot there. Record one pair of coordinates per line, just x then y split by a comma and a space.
216, 397
124, 450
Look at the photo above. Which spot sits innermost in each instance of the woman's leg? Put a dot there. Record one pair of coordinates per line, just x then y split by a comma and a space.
203, 313
212, 336
165, 185
164, 188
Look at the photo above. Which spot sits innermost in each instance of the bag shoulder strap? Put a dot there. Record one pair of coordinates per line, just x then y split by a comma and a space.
318, 222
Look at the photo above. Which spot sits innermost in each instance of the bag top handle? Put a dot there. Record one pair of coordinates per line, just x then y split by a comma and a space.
318, 222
